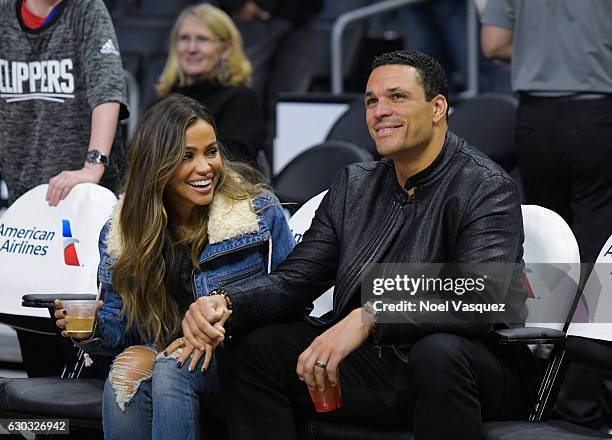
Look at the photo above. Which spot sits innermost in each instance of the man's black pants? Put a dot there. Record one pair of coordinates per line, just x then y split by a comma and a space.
564, 150
443, 389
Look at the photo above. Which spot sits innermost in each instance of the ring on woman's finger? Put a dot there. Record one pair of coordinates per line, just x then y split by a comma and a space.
320, 364
181, 342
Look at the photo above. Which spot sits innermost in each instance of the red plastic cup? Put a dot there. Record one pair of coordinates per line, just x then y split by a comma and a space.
328, 399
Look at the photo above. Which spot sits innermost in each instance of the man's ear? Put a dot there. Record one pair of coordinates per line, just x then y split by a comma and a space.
439, 109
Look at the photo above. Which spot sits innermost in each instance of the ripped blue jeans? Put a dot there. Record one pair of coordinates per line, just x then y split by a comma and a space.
147, 397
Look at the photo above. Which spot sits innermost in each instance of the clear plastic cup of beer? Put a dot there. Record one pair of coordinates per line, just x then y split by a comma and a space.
80, 316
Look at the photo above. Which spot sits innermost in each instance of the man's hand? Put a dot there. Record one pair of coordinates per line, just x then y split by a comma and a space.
330, 348
251, 11
203, 323
61, 185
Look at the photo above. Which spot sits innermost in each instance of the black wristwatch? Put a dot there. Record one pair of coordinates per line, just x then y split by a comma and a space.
94, 157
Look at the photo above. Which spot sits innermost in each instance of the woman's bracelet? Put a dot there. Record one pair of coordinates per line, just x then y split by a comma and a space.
225, 295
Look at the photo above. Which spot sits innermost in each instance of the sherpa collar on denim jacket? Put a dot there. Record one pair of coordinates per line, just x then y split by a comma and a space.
227, 219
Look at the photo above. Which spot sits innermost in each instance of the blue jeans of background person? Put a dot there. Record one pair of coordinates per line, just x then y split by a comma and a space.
166, 405
439, 28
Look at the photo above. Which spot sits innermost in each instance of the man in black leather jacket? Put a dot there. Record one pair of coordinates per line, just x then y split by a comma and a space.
432, 199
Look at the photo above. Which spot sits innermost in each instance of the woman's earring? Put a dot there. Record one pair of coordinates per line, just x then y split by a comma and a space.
223, 71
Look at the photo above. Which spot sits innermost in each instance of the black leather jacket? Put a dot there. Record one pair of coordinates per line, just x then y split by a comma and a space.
466, 210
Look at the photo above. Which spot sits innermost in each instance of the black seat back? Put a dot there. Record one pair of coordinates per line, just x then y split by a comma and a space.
312, 171
487, 122
351, 127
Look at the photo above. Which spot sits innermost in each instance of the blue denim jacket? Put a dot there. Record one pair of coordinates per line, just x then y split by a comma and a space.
247, 239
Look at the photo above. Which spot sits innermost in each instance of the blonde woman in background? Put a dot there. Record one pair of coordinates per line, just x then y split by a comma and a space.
207, 63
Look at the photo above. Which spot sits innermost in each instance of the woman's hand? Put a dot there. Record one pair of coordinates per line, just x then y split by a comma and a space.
61, 320
190, 350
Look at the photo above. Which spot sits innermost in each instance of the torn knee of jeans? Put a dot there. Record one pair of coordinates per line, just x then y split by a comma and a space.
129, 369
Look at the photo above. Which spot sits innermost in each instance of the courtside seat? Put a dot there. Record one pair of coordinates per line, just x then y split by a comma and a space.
74, 398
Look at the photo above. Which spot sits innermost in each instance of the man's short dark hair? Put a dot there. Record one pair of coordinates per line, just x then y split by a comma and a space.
431, 73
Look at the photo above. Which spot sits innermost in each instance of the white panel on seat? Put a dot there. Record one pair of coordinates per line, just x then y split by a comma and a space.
598, 286
46, 249
299, 223
301, 125
552, 262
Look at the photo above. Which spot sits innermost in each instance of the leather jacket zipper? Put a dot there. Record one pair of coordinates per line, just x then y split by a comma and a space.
394, 217
376, 242
378, 348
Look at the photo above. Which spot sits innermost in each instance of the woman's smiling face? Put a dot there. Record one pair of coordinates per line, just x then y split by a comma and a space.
194, 181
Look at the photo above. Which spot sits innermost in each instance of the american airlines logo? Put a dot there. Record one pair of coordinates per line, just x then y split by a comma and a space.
49, 80
70, 254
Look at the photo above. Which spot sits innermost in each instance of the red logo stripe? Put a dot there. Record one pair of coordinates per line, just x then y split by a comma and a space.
527, 285
70, 255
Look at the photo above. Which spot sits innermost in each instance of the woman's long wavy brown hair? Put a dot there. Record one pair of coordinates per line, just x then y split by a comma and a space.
140, 271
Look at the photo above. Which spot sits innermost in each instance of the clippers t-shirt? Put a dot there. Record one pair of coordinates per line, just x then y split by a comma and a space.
51, 78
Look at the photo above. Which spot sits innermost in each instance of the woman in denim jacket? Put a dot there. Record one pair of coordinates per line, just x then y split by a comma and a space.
190, 222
